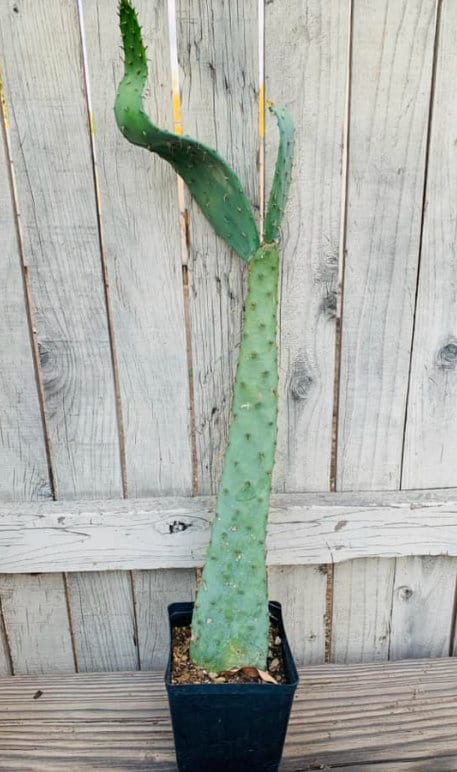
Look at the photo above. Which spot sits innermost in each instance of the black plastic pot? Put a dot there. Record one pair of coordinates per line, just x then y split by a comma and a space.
230, 727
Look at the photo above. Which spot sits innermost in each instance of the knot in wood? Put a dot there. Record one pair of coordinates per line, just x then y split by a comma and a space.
300, 383
447, 356
405, 593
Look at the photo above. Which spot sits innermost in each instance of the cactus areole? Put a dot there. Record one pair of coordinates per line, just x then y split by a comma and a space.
230, 620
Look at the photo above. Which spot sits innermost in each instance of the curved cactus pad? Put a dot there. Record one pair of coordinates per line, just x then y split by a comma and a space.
281, 180
212, 183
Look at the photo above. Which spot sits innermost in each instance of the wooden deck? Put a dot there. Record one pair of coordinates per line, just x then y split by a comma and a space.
386, 717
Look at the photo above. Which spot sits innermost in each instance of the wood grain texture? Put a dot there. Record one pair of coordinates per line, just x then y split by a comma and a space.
24, 473
142, 244
391, 77
304, 529
342, 715
23, 464
362, 602
305, 69
423, 607
61, 245
301, 590
141, 233
218, 55
391, 82
154, 590
35, 613
104, 626
52, 159
431, 428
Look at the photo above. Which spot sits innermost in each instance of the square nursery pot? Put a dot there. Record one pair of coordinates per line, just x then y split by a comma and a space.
230, 727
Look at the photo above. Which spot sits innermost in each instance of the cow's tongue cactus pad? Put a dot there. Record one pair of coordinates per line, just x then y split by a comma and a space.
230, 620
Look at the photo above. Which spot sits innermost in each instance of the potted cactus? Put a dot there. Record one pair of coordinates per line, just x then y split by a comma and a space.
230, 726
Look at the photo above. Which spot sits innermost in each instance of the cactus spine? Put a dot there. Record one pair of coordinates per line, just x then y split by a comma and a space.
230, 621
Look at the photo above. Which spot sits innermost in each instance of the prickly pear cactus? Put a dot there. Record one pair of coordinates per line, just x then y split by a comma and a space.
230, 621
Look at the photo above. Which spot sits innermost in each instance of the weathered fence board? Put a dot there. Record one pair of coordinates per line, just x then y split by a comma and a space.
302, 592
24, 473
423, 607
391, 75
36, 620
305, 59
217, 52
142, 246
23, 464
305, 70
154, 590
362, 602
103, 626
431, 429
138, 203
52, 158
304, 529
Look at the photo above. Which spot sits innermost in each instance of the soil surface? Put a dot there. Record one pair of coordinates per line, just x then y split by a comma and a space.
183, 671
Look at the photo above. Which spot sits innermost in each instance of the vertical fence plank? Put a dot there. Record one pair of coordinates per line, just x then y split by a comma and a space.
142, 241
423, 607
154, 590
302, 590
431, 429
36, 617
52, 157
362, 601
142, 244
391, 75
217, 51
305, 67
305, 61
23, 464
424, 601
104, 626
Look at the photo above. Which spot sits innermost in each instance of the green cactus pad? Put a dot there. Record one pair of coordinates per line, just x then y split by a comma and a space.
282, 175
212, 183
230, 620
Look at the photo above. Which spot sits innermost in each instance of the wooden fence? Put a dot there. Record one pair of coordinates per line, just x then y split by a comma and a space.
120, 322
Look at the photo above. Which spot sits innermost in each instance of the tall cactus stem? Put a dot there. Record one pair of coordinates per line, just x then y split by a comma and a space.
230, 620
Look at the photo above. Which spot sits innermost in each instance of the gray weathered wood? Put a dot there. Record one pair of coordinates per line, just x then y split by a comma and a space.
305, 529
218, 55
423, 606
51, 154
24, 473
305, 68
302, 591
431, 428
139, 212
362, 601
50, 147
391, 78
36, 617
343, 717
104, 626
142, 245
154, 590
23, 464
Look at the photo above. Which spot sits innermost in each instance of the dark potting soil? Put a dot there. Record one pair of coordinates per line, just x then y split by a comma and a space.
183, 671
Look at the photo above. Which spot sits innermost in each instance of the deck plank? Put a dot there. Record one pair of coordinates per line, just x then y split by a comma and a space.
392, 715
